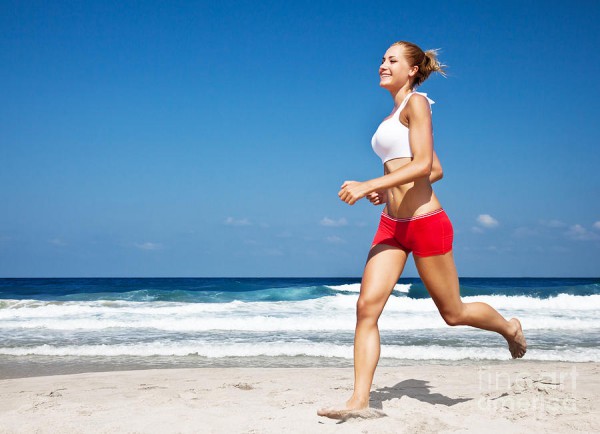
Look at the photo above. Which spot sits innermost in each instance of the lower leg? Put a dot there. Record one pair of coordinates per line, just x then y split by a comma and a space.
484, 316
438, 273
383, 269
366, 356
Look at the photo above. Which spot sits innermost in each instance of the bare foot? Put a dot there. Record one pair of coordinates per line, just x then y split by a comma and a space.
343, 411
516, 341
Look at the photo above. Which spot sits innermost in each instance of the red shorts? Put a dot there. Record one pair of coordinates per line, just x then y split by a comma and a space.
425, 235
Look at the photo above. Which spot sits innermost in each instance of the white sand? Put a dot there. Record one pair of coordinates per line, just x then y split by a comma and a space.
511, 397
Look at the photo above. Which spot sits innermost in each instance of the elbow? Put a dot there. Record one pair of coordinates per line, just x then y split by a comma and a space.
425, 170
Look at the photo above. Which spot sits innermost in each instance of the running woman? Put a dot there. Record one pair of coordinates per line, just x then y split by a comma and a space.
412, 220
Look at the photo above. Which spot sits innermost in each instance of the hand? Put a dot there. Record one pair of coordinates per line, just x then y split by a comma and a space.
377, 197
352, 191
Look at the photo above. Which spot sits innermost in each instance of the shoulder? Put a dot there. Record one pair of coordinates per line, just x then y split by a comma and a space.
418, 105
417, 101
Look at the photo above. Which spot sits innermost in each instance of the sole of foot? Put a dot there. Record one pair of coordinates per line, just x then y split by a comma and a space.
517, 345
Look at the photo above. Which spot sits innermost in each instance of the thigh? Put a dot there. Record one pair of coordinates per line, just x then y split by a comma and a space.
439, 276
382, 271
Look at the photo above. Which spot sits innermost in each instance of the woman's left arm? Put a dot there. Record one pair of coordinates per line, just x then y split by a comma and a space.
437, 172
421, 142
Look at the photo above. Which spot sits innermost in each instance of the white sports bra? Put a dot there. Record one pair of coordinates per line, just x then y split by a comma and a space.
391, 138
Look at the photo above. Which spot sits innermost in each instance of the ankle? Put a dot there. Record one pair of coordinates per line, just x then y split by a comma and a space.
511, 330
358, 402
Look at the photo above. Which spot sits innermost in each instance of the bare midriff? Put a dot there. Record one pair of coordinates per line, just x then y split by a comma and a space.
411, 199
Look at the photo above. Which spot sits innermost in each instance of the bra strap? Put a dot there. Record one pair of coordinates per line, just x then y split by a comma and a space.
409, 95
405, 101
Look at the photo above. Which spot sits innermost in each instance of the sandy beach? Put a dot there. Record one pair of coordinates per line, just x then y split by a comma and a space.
513, 396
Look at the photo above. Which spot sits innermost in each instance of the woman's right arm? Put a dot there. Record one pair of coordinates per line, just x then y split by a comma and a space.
436, 169
380, 197
421, 143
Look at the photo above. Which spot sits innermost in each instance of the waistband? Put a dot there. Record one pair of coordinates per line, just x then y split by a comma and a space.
416, 217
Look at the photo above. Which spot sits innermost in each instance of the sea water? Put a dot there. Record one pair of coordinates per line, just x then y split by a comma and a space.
167, 322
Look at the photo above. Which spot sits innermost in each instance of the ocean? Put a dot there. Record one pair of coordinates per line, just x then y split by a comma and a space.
62, 325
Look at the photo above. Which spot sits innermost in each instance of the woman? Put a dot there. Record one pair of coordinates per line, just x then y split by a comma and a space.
413, 220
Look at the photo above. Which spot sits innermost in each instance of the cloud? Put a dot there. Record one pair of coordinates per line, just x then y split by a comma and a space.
57, 242
326, 221
335, 240
148, 246
230, 221
476, 229
579, 233
487, 221
553, 223
551, 229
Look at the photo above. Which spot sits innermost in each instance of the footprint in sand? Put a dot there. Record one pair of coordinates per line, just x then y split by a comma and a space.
243, 386
144, 386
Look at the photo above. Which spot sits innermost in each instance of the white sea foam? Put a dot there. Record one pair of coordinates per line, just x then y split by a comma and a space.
271, 323
274, 349
13, 308
355, 287
565, 312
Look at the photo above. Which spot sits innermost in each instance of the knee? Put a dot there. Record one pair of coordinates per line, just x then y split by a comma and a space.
453, 317
365, 309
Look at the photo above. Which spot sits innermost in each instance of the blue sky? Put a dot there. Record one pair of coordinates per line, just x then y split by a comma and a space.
211, 138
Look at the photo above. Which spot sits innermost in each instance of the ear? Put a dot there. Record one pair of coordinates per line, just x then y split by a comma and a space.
413, 71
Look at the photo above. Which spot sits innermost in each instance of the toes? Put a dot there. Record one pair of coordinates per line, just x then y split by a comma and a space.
517, 352
325, 411
332, 412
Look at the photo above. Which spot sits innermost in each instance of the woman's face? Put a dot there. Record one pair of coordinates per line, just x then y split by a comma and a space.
394, 71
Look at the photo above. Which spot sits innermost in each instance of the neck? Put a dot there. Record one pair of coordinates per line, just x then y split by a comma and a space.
400, 94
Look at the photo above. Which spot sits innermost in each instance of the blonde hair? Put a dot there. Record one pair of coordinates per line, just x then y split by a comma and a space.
427, 61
